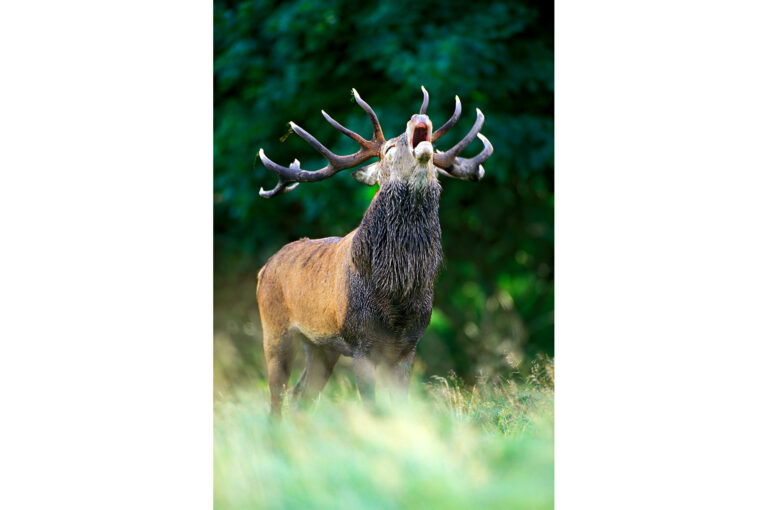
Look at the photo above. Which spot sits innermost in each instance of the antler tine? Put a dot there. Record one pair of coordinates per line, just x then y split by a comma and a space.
470, 169
332, 158
290, 177
359, 139
424, 103
449, 123
282, 186
445, 159
294, 174
378, 135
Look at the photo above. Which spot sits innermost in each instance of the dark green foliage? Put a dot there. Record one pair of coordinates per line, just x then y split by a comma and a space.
281, 61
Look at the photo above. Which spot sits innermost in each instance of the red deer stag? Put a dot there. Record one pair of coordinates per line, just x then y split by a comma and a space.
368, 294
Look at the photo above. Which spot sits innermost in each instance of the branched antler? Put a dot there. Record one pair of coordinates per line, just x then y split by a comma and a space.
470, 169
449, 123
448, 163
290, 177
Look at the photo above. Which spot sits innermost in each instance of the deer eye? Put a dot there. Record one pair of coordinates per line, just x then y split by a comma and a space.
389, 149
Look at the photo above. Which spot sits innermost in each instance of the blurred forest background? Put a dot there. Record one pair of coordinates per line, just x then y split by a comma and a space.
285, 61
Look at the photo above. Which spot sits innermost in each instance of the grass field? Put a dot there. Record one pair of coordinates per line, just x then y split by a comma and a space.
449, 446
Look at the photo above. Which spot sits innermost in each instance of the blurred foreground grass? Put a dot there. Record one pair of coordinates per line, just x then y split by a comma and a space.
449, 446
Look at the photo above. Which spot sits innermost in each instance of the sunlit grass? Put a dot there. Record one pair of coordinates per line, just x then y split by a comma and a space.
489, 446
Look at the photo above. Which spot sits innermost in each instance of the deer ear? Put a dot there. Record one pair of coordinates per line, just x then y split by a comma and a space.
367, 174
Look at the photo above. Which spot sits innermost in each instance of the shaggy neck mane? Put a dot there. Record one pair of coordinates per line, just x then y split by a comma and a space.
397, 247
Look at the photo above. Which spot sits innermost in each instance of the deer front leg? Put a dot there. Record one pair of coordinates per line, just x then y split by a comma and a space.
402, 374
399, 376
365, 375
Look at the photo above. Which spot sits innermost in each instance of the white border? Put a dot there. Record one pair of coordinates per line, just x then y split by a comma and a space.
106, 258
661, 276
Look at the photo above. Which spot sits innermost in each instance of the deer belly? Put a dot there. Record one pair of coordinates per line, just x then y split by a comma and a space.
314, 315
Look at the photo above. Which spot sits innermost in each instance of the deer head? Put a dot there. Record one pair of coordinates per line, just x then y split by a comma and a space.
409, 157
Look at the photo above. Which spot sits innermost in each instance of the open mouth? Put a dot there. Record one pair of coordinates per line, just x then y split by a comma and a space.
420, 134
419, 130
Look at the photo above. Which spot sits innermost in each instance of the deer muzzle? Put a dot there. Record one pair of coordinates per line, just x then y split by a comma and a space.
423, 152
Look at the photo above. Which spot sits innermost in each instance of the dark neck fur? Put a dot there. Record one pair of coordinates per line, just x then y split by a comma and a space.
397, 247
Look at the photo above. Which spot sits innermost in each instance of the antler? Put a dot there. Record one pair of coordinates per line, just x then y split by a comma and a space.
291, 176
425, 102
449, 123
449, 164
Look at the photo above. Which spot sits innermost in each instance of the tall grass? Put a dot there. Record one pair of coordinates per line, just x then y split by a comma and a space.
448, 446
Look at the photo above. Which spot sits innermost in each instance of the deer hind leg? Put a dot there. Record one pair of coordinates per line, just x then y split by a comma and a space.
280, 351
317, 370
